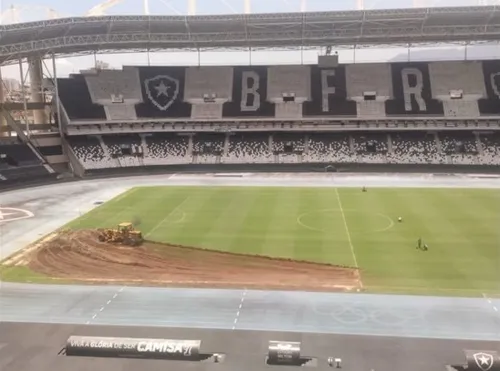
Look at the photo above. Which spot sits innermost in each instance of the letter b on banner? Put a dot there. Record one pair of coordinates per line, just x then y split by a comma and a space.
250, 97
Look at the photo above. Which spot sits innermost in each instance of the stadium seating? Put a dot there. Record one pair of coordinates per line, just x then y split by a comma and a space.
208, 148
23, 173
125, 149
166, 149
369, 86
20, 154
459, 85
414, 148
18, 162
248, 148
89, 151
118, 91
207, 89
289, 87
287, 147
371, 147
489, 151
459, 148
329, 148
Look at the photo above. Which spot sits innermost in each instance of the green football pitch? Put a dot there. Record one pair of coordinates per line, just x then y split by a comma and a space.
342, 226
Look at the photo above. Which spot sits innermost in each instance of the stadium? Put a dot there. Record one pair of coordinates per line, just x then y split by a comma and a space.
324, 214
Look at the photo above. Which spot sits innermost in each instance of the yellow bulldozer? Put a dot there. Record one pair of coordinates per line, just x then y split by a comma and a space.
125, 234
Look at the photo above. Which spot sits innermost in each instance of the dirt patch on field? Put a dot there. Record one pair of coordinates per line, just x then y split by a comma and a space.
78, 255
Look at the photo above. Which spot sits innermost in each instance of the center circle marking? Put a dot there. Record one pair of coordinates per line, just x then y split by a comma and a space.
304, 224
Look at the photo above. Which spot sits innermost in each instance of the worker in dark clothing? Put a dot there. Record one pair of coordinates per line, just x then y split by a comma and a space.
422, 246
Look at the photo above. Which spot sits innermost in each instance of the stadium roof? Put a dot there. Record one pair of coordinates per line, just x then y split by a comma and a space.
371, 27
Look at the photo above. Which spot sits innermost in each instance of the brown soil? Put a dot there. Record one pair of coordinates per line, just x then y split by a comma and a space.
78, 255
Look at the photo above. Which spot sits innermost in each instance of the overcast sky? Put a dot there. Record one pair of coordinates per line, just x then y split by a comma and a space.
30, 10
73, 8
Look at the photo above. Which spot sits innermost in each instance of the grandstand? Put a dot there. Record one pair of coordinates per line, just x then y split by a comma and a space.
20, 162
287, 98
329, 114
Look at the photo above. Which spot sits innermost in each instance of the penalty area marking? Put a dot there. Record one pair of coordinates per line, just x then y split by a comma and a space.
181, 219
178, 221
300, 221
175, 209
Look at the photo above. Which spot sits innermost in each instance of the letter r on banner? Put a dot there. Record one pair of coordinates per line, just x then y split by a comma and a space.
416, 90
252, 92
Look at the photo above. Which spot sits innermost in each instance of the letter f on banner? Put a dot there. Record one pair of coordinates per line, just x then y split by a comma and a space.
252, 92
326, 90
416, 90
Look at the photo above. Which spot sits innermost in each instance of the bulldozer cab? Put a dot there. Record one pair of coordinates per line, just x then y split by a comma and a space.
125, 227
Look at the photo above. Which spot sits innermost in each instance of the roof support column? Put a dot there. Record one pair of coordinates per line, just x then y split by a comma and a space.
25, 101
56, 96
36, 90
248, 9
3, 124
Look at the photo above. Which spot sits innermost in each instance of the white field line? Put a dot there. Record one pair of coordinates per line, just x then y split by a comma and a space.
104, 306
349, 239
178, 207
239, 309
490, 302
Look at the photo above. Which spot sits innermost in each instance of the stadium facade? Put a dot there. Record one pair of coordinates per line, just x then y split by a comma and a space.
323, 117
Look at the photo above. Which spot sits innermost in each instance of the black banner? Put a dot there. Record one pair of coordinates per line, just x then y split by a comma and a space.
92, 346
249, 96
284, 352
162, 93
75, 97
329, 93
490, 105
411, 85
